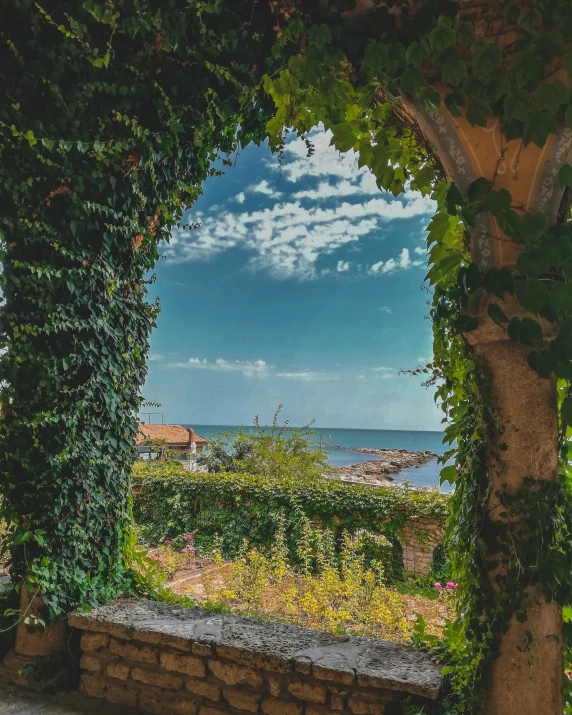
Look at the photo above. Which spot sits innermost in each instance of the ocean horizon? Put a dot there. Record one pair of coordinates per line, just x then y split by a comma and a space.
335, 440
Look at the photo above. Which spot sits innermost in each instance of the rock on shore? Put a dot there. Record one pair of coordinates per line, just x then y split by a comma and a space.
379, 471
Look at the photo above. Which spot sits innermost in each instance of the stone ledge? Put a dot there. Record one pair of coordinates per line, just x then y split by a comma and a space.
268, 645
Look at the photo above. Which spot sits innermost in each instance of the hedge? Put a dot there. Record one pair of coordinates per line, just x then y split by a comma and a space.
169, 502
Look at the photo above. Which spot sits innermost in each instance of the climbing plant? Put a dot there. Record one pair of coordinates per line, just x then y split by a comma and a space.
112, 116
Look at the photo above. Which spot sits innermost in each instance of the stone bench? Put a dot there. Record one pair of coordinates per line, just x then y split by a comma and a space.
170, 660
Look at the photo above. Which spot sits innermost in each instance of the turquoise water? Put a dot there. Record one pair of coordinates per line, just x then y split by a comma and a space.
426, 475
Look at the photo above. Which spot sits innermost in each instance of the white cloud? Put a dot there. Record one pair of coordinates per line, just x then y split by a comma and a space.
289, 239
385, 372
420, 251
239, 198
385, 309
253, 368
264, 188
343, 266
365, 187
309, 376
339, 210
154, 357
402, 263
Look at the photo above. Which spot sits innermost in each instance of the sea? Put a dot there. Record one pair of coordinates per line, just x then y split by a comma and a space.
335, 442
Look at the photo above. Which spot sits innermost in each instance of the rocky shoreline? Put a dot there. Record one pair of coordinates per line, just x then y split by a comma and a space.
379, 472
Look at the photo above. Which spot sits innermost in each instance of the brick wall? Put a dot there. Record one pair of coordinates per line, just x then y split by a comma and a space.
242, 666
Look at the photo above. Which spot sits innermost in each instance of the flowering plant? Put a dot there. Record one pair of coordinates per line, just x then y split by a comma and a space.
449, 591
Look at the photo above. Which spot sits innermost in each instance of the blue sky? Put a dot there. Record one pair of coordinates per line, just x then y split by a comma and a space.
303, 287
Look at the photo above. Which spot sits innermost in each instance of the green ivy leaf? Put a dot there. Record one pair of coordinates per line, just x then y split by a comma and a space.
499, 282
565, 175
453, 71
411, 80
466, 34
526, 331
538, 128
478, 189
542, 363
469, 216
529, 19
29, 135
416, 53
376, 57
561, 298
441, 37
478, 112
454, 198
497, 201
532, 294
509, 222
497, 314
343, 137
454, 101
533, 225
518, 105
566, 411
497, 86
550, 96
429, 98
486, 58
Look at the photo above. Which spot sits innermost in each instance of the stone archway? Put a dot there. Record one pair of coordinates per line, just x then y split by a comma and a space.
524, 680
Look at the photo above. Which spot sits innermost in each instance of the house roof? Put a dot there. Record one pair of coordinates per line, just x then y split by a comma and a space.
172, 434
196, 438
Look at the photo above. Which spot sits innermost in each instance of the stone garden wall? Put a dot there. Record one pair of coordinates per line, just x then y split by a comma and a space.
169, 660
419, 538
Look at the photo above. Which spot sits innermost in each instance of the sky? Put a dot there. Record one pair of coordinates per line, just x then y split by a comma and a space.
301, 286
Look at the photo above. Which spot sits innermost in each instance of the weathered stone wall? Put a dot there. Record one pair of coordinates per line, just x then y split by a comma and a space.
419, 539
173, 661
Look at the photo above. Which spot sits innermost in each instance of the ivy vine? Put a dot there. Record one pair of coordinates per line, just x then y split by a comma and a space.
112, 115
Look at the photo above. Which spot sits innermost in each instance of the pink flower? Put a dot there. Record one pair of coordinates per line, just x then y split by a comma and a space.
167, 543
190, 537
438, 587
452, 585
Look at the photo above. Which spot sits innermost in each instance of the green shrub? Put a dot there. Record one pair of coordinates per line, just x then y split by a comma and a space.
278, 452
168, 502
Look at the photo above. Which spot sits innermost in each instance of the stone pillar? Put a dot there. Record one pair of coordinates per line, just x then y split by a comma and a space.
526, 678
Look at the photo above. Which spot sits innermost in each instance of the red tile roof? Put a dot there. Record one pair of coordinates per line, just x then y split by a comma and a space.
172, 434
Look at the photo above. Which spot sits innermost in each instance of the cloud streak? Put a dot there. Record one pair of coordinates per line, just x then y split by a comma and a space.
262, 369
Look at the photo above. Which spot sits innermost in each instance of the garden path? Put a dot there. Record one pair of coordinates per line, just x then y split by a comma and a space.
15, 700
